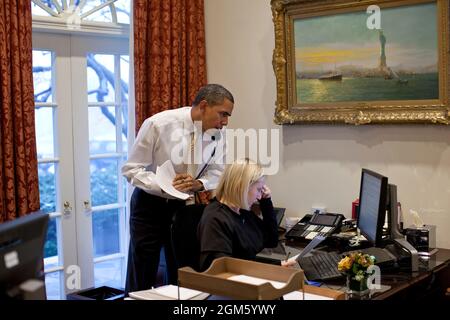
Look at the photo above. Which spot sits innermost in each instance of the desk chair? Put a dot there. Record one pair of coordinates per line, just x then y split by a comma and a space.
183, 232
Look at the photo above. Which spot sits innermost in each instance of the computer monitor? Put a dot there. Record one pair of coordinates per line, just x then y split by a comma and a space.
21, 253
372, 206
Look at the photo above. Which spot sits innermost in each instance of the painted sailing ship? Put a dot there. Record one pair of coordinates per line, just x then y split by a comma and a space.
332, 76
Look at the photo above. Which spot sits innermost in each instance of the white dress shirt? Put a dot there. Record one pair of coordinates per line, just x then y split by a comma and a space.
168, 135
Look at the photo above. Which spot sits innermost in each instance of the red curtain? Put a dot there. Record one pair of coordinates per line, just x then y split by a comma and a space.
169, 54
19, 187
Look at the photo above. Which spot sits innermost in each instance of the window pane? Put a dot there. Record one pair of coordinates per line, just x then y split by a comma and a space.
124, 76
124, 180
53, 285
100, 77
102, 130
47, 186
42, 75
124, 139
44, 132
124, 185
105, 232
104, 181
102, 15
108, 273
51, 244
38, 11
124, 121
123, 11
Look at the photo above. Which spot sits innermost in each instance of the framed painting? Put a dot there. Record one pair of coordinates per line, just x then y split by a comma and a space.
361, 62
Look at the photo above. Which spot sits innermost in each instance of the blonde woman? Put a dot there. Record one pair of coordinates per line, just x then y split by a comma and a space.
228, 227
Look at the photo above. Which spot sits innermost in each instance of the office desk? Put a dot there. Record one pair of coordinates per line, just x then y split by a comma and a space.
430, 283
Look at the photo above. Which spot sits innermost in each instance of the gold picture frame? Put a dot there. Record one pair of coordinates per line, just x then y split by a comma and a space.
404, 79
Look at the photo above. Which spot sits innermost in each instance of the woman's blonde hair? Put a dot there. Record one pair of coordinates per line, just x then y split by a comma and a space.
235, 182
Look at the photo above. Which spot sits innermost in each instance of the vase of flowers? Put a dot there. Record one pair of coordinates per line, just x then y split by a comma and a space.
355, 268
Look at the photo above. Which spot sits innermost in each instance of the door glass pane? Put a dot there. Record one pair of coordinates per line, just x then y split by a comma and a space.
44, 132
105, 232
100, 78
124, 81
109, 273
124, 76
124, 139
47, 186
53, 285
102, 130
104, 179
42, 75
124, 186
51, 244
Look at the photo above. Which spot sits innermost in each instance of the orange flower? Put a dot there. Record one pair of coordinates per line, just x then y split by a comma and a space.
355, 263
345, 264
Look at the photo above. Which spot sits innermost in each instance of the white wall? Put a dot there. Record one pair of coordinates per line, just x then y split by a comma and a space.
321, 164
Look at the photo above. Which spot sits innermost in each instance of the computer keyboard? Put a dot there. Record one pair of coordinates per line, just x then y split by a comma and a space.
322, 266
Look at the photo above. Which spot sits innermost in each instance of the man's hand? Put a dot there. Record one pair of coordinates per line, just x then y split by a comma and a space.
185, 183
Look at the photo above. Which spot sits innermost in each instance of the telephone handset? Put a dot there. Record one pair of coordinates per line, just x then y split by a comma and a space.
317, 224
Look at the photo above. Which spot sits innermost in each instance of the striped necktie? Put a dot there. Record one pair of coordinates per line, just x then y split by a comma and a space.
191, 166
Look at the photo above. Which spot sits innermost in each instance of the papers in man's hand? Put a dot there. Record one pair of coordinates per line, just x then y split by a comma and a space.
257, 281
169, 292
164, 178
297, 295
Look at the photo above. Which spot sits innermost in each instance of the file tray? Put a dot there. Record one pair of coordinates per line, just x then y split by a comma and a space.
215, 280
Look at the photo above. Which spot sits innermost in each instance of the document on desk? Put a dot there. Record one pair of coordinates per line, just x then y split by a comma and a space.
297, 295
257, 281
169, 292
294, 258
164, 178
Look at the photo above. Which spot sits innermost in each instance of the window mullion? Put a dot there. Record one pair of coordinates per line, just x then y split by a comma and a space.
57, 6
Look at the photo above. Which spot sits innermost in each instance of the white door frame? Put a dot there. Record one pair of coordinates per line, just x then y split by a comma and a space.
72, 142
63, 141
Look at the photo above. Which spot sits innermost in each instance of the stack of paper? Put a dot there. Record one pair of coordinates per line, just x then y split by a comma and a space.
256, 281
169, 292
297, 295
164, 178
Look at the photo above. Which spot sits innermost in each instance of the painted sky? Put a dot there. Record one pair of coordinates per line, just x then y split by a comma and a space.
344, 39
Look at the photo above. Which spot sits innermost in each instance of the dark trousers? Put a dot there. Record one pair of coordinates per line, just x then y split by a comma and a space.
150, 220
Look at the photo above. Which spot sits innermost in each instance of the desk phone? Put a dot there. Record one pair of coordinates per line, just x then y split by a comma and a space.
318, 224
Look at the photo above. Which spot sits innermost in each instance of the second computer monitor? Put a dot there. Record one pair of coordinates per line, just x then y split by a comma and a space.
372, 205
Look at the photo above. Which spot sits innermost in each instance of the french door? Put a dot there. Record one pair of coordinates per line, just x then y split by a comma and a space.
81, 98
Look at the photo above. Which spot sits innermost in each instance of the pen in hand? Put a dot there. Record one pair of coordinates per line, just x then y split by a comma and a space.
287, 256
